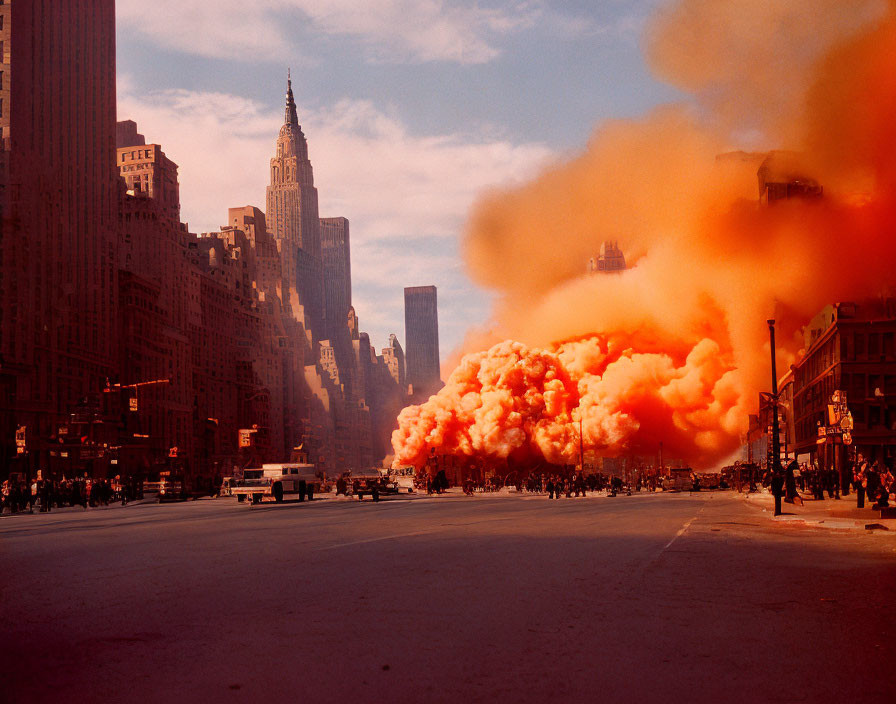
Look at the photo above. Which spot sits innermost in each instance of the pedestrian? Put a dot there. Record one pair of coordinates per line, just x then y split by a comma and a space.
792, 494
28, 497
859, 481
550, 488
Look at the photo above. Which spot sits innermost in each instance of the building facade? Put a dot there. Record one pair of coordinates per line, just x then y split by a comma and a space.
851, 349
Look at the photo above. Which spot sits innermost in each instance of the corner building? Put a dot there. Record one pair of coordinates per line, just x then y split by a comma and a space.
59, 199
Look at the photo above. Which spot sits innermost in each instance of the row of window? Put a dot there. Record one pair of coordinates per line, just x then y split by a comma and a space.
873, 345
137, 154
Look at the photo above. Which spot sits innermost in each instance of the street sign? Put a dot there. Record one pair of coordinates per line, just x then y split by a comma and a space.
246, 437
21, 439
132, 403
173, 451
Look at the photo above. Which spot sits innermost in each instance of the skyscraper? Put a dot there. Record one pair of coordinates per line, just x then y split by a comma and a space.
421, 328
337, 276
292, 217
59, 200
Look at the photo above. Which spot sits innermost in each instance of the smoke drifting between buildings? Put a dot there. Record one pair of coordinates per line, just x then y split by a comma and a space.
675, 348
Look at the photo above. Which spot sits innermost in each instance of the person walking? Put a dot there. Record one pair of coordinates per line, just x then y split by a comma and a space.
792, 494
550, 488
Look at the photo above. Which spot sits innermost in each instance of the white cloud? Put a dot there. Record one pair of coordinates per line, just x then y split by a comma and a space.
461, 31
403, 193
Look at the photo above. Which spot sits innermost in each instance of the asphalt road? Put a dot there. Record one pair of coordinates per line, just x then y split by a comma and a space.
649, 598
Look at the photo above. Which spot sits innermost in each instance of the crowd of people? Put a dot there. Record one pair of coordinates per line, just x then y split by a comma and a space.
556, 486
19, 495
873, 481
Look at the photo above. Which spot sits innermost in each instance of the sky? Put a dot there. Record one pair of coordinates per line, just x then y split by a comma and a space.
412, 109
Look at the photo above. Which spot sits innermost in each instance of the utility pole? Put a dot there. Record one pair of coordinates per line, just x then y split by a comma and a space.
776, 469
776, 439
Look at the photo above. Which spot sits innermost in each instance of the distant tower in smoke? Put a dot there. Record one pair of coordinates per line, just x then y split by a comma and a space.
421, 329
610, 259
783, 176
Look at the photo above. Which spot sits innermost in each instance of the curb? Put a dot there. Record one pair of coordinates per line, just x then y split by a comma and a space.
852, 524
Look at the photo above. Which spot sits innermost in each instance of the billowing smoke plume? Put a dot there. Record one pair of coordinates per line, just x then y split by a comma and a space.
675, 349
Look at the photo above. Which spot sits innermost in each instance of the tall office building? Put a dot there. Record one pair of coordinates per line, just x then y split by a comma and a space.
421, 328
59, 200
292, 217
337, 275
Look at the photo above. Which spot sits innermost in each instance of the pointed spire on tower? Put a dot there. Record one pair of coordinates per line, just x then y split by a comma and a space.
291, 117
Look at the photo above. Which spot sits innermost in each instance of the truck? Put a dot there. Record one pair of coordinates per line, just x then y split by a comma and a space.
376, 482
679, 479
404, 478
276, 481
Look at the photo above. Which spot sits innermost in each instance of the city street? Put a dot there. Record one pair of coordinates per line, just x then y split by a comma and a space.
648, 598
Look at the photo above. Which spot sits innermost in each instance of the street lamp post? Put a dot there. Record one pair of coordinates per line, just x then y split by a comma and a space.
776, 441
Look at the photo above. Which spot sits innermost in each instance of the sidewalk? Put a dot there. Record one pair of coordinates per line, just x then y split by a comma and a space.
829, 513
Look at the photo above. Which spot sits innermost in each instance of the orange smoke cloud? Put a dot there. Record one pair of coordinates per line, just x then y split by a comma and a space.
675, 348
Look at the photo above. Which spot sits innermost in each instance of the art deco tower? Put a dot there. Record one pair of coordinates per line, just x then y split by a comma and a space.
292, 216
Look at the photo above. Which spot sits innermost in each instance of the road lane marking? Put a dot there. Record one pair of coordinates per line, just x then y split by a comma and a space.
376, 540
679, 533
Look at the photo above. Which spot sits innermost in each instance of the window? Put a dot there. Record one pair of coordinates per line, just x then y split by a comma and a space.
859, 345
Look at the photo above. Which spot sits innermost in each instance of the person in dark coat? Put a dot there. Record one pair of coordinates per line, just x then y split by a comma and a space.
872, 480
792, 495
550, 488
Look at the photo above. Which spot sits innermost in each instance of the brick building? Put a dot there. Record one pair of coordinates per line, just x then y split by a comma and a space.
145, 169
850, 347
